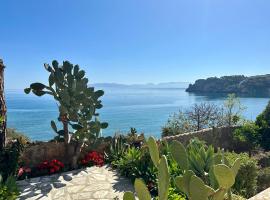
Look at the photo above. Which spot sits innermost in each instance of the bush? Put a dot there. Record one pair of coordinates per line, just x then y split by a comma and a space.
8, 189
246, 179
248, 135
9, 159
263, 121
264, 179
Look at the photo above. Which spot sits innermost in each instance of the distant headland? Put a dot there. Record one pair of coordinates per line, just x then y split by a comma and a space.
239, 84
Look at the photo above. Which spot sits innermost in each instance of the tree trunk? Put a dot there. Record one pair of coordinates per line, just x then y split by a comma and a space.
65, 128
3, 109
73, 151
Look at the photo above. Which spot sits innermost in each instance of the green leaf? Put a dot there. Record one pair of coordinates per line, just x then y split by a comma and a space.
37, 86
141, 190
27, 90
129, 196
80, 74
104, 125
61, 132
76, 70
51, 79
179, 154
219, 194
163, 178
224, 175
198, 190
76, 126
153, 149
236, 166
183, 182
53, 125
47, 67
55, 64
99, 93
38, 92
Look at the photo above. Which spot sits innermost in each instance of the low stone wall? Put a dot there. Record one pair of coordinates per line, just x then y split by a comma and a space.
218, 137
36, 153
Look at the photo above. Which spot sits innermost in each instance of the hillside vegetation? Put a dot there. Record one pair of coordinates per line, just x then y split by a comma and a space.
239, 84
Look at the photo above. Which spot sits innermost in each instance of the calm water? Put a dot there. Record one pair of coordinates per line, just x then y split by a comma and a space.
146, 109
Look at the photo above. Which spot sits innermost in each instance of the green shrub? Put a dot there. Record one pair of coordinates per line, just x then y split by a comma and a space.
263, 121
264, 179
8, 189
246, 179
248, 135
137, 163
9, 159
174, 195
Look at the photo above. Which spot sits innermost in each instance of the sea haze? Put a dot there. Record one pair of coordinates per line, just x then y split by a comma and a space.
145, 107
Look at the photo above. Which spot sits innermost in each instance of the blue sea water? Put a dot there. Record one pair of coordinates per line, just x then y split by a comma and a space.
146, 109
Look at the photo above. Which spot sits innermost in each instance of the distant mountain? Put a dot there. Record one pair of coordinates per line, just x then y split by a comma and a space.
239, 84
148, 85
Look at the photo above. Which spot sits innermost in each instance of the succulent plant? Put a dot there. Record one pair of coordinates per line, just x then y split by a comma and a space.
190, 184
77, 102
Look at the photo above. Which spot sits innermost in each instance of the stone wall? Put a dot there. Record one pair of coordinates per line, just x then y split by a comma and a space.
218, 137
36, 153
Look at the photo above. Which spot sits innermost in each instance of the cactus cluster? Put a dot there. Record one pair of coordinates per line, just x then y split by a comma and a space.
77, 101
222, 177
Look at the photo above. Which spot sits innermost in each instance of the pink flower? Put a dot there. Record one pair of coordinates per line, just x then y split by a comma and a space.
20, 172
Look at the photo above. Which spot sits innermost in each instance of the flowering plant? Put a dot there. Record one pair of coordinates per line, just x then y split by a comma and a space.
93, 158
23, 172
51, 167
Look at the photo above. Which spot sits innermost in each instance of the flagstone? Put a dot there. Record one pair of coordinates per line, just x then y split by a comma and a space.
90, 183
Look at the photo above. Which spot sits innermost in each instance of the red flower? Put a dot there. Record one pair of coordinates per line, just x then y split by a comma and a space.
51, 167
93, 158
27, 170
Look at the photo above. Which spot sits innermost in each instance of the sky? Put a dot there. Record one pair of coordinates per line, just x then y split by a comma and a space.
135, 41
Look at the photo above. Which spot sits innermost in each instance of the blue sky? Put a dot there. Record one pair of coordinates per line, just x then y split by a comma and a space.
135, 41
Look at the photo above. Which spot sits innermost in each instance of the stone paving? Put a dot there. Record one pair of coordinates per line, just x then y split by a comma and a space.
264, 195
87, 184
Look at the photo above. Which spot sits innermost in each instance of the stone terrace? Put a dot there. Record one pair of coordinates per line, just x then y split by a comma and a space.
89, 183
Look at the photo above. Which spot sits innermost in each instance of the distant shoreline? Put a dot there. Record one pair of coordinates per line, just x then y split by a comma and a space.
239, 84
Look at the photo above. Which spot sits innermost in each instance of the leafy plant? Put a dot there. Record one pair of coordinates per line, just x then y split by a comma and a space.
77, 103
201, 158
189, 183
93, 158
263, 121
9, 157
246, 179
117, 149
8, 189
263, 179
128, 164
248, 134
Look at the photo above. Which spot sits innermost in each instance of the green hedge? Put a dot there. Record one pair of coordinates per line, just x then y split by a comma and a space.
264, 179
246, 179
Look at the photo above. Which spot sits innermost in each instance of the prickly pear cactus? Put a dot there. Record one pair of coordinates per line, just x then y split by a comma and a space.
190, 184
77, 102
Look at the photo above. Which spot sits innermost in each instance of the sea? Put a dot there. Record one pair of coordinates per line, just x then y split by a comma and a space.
145, 108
